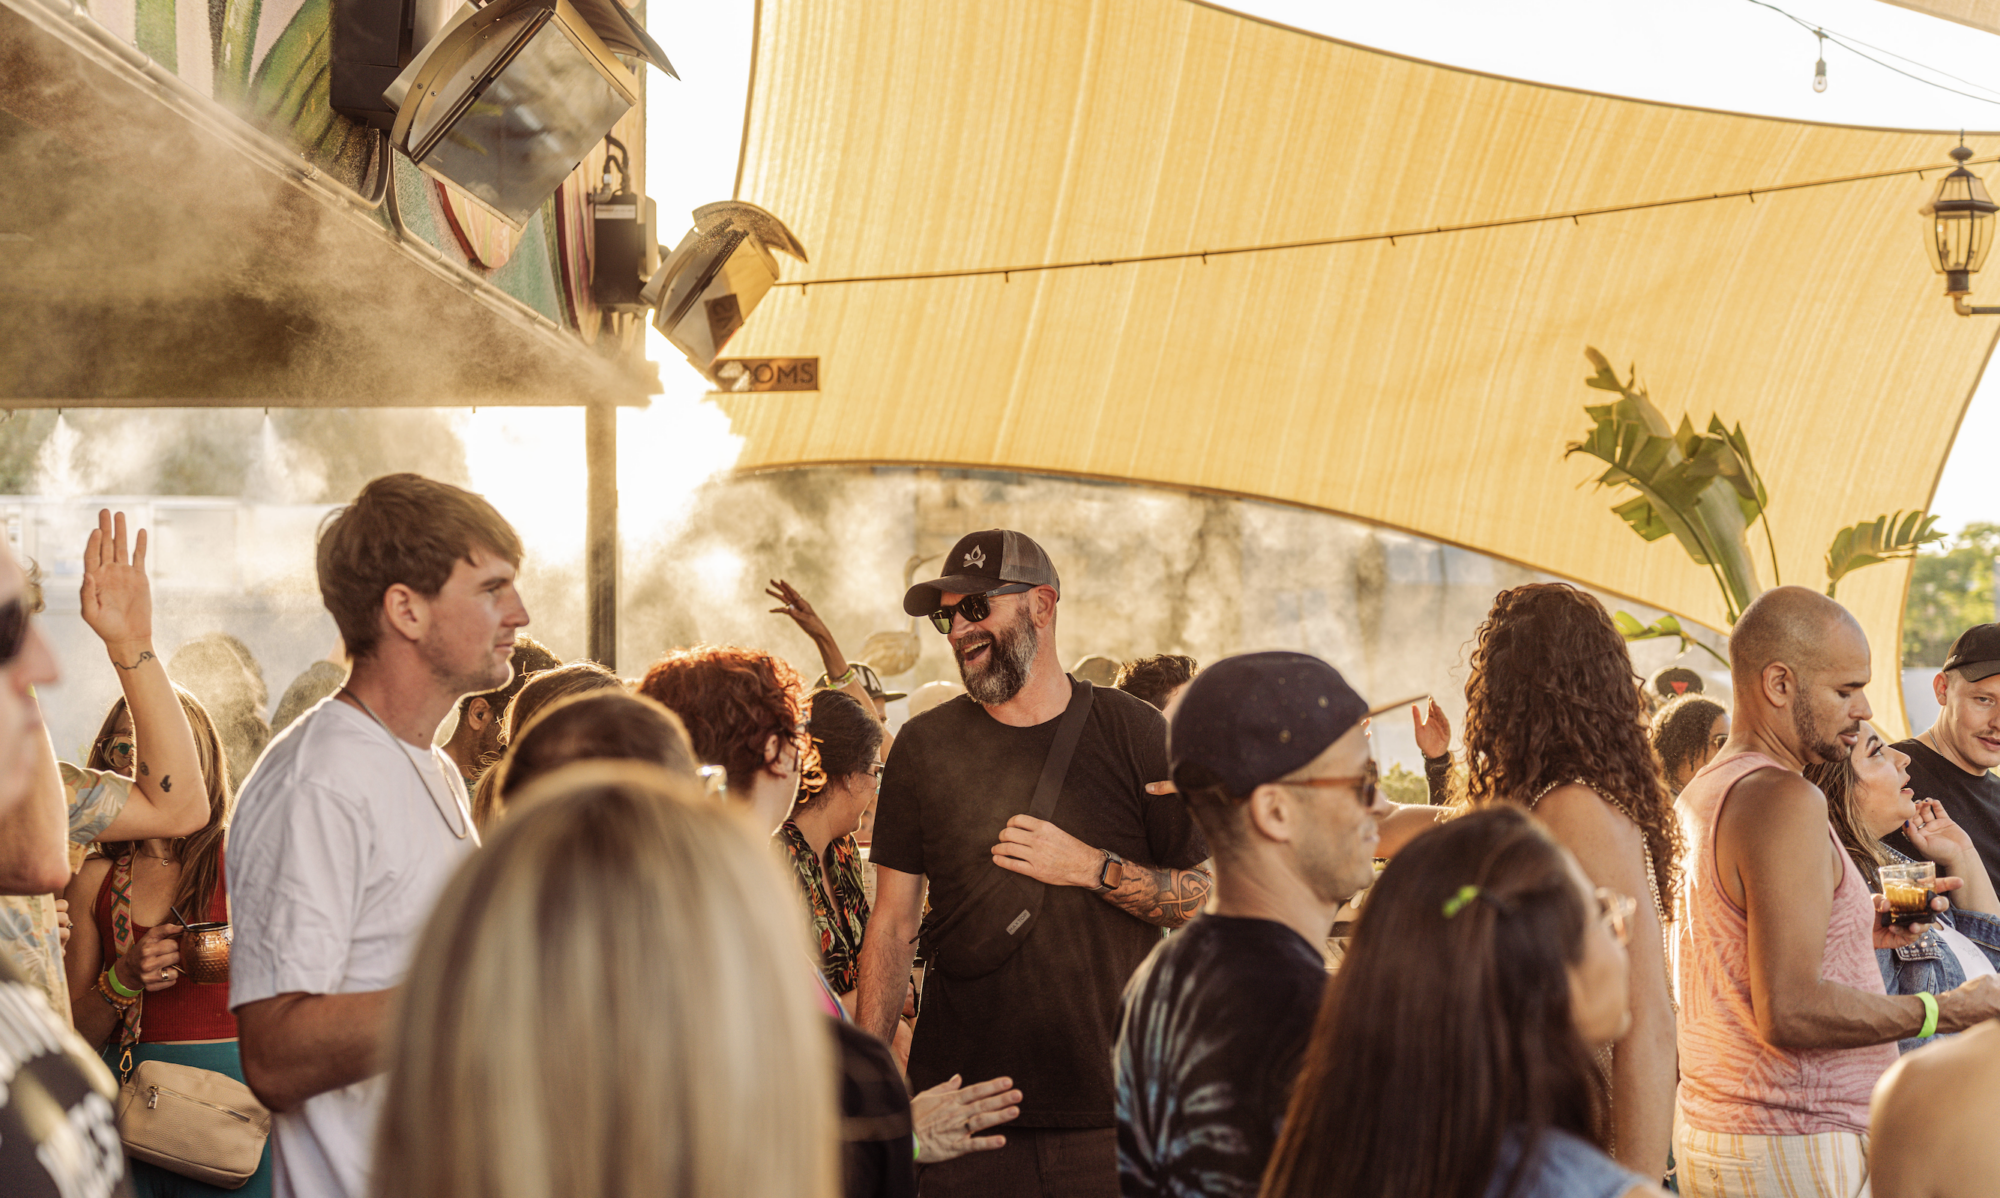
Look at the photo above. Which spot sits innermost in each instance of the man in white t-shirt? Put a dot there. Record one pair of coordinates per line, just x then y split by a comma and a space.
352, 822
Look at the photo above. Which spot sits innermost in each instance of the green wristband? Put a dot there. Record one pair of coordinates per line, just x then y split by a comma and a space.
1930, 1015
122, 992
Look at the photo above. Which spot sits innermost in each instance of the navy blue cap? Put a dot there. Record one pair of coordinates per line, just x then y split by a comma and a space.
1255, 717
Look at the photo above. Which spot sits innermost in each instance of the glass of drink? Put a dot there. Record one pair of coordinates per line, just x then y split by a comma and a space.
1909, 889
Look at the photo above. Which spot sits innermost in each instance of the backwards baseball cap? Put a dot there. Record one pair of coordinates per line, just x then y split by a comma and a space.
981, 562
870, 682
1976, 652
1255, 717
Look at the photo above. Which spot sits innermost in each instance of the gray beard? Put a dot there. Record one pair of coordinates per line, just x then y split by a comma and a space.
1006, 668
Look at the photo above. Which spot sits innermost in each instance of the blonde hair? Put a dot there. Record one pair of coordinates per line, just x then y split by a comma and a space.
611, 998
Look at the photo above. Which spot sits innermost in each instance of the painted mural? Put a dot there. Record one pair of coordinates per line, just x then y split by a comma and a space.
269, 60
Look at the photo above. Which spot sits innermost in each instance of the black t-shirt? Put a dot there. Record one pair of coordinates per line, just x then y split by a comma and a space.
58, 1131
1971, 800
1214, 1029
1048, 1016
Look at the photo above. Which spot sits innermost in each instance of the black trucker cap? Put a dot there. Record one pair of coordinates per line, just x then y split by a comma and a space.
1976, 652
870, 682
981, 562
1254, 718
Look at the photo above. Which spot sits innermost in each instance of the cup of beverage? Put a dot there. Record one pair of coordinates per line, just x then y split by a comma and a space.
1909, 889
205, 952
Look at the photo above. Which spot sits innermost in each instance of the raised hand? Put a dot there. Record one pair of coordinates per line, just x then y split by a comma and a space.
795, 605
1433, 730
117, 597
1937, 836
948, 1115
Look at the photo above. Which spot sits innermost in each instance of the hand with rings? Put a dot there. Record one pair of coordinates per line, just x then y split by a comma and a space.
154, 959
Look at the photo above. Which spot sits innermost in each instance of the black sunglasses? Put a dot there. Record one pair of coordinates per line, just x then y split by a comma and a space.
13, 630
973, 607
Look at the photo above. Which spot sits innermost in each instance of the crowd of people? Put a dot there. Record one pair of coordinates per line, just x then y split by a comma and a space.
464, 919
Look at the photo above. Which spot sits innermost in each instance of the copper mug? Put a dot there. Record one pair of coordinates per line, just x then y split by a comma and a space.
205, 952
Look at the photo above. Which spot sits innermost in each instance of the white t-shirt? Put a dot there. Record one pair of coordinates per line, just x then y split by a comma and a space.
339, 848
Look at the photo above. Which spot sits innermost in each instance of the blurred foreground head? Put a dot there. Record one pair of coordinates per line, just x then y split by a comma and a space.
25, 662
611, 998
599, 725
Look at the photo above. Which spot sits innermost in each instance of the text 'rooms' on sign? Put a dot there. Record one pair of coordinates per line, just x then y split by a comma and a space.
768, 374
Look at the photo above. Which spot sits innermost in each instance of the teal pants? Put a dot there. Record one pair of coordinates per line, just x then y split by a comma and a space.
151, 1181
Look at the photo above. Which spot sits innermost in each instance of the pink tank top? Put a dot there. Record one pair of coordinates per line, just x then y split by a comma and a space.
1731, 1081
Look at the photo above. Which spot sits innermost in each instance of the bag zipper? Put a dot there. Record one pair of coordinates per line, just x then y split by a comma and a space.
153, 1102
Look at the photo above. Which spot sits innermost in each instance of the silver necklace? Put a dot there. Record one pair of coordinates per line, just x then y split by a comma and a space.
464, 816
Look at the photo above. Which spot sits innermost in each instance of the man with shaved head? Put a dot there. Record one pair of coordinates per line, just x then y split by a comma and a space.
1784, 1024
1949, 762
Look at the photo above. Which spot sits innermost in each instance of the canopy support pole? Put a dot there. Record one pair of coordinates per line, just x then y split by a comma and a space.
600, 565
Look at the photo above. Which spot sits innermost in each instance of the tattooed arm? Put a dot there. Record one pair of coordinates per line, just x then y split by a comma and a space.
1164, 897
169, 797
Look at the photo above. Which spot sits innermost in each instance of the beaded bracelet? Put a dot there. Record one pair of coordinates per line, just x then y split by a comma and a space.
104, 992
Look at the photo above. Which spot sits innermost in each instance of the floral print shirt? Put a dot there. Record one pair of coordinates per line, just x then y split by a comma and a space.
28, 922
838, 924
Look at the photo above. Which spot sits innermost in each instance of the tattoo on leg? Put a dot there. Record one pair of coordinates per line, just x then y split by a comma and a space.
144, 657
1166, 898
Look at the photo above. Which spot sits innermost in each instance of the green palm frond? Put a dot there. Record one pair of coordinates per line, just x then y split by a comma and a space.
1898, 534
1631, 629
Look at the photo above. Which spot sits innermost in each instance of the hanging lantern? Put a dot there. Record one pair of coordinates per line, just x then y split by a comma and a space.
1959, 225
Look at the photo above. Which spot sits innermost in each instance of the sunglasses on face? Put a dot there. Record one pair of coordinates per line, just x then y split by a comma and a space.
973, 607
13, 630
1367, 787
1617, 910
118, 750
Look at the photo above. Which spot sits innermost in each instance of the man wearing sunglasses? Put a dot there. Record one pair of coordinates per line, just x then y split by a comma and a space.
58, 1133
1116, 864
1270, 753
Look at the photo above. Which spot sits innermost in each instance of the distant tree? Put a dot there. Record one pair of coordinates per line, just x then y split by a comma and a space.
1951, 589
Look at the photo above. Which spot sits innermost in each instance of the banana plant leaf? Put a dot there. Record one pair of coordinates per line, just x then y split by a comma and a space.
1701, 487
1898, 534
1631, 629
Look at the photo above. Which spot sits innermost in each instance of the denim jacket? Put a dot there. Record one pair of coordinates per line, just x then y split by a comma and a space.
1928, 963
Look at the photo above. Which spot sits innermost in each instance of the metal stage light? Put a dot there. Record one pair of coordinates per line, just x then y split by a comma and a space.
507, 99
705, 289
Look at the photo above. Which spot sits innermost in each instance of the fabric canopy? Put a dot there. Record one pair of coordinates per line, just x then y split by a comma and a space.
1979, 14
1427, 384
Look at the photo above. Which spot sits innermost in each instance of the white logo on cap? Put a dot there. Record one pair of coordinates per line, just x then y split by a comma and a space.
976, 558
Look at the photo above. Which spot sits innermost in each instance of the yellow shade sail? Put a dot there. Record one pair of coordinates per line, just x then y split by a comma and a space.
1427, 383
1979, 14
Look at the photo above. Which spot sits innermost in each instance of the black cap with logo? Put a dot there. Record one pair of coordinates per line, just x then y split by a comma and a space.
981, 562
1976, 652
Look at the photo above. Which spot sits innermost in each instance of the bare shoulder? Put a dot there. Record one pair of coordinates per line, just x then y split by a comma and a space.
1581, 819
86, 881
1768, 806
1930, 1115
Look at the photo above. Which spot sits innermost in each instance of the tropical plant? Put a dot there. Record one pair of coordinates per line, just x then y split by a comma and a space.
1701, 487
1631, 629
1899, 534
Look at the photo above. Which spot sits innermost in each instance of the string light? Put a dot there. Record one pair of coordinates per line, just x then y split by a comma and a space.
1851, 46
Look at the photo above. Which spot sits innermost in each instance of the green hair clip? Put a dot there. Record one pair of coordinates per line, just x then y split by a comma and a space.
1457, 902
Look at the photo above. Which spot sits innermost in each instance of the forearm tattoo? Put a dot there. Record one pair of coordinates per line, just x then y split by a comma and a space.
144, 657
1165, 898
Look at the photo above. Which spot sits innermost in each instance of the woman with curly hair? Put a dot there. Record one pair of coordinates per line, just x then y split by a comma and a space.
1556, 723
745, 712
1687, 734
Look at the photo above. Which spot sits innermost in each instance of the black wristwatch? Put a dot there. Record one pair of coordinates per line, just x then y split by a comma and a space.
1111, 874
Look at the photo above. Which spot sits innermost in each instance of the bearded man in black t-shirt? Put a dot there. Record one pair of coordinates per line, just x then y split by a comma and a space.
1115, 863
1950, 760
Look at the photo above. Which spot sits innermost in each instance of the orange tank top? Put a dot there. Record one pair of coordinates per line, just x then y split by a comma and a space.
1731, 1081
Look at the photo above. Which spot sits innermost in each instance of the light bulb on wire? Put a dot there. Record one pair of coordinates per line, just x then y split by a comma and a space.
1819, 68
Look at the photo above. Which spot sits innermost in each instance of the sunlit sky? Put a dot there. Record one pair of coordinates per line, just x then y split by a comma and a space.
1728, 54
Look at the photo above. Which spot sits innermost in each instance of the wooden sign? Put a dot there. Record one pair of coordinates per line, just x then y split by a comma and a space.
768, 374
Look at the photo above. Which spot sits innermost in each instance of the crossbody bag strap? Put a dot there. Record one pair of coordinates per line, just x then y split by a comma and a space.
121, 939
1048, 790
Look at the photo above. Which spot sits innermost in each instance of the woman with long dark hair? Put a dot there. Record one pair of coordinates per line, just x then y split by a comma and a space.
1555, 722
819, 837
127, 941
1453, 1053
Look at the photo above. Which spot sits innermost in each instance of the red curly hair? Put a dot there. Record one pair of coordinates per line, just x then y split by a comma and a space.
1552, 698
733, 700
